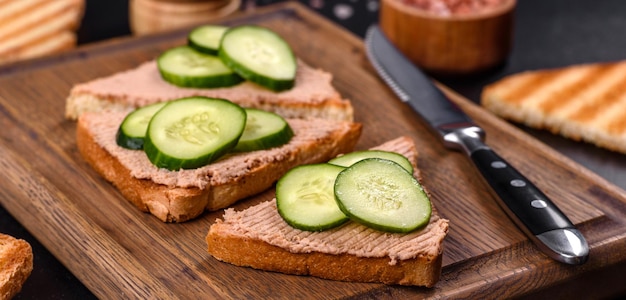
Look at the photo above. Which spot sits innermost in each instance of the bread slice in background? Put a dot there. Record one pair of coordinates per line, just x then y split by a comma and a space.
16, 264
183, 195
258, 237
582, 102
34, 28
312, 96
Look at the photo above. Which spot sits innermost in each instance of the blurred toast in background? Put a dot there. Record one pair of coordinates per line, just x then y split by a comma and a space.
16, 264
584, 102
34, 28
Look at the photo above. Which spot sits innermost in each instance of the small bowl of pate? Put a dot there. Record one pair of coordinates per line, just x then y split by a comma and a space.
450, 37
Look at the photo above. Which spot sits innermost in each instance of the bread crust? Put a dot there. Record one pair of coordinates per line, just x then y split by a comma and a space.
179, 204
226, 247
350, 252
16, 265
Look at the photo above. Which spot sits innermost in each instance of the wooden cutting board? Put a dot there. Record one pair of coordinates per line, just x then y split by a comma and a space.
117, 251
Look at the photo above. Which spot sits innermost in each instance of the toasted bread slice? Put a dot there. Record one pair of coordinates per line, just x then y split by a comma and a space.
582, 102
182, 195
312, 96
16, 264
33, 28
258, 237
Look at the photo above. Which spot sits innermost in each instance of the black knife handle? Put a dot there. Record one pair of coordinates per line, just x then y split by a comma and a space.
521, 198
531, 209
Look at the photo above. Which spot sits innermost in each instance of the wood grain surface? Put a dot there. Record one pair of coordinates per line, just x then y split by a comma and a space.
119, 252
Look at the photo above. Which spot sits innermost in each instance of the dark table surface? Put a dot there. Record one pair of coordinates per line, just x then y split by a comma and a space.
547, 34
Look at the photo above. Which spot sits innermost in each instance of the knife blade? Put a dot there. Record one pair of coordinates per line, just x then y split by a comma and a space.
531, 210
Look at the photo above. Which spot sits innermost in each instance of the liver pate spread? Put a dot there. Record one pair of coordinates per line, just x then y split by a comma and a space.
143, 85
104, 126
262, 222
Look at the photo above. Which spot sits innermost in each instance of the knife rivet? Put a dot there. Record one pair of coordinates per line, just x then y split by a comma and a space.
498, 165
538, 204
518, 183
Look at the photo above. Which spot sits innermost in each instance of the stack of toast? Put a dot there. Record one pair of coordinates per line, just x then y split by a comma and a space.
34, 28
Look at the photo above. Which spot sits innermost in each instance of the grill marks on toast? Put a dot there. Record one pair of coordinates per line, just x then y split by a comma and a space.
523, 89
564, 95
604, 99
14, 25
29, 27
580, 102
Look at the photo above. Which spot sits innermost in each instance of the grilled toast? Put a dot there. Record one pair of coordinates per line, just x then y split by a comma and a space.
582, 102
16, 264
258, 237
33, 28
178, 196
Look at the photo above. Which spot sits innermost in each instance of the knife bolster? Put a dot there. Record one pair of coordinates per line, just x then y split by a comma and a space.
467, 139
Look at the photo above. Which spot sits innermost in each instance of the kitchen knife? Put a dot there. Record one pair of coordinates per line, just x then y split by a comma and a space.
529, 208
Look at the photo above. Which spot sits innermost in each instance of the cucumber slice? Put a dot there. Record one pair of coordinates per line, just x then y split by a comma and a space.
259, 55
381, 194
351, 158
263, 130
305, 199
132, 131
191, 132
206, 38
185, 67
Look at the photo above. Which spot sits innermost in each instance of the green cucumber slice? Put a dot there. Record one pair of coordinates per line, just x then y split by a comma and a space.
191, 132
132, 131
263, 130
381, 194
305, 199
351, 158
206, 38
185, 67
259, 55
